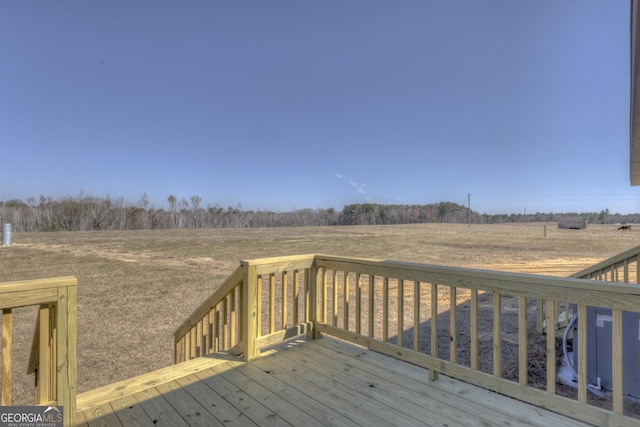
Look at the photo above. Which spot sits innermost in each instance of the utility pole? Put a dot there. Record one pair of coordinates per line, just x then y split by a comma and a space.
469, 206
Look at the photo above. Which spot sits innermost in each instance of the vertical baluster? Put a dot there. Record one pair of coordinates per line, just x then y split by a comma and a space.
296, 296
232, 318
241, 316
192, 343
7, 340
217, 344
44, 363
259, 307
416, 315
272, 303
497, 335
53, 366
335, 298
625, 271
285, 290
453, 324
385, 309
551, 346
400, 312
372, 295
522, 341
324, 295
225, 324
582, 353
346, 300
210, 330
616, 361
433, 375
307, 295
205, 334
198, 331
474, 329
358, 303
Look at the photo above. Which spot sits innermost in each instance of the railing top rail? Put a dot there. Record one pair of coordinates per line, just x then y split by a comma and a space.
600, 293
630, 253
279, 264
25, 293
279, 260
35, 284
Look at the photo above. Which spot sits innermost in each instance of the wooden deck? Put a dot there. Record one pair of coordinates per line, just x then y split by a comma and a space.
303, 383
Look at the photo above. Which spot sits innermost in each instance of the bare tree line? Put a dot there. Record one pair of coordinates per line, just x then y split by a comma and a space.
84, 213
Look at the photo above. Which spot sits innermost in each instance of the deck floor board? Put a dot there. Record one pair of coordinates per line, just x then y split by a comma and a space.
322, 382
159, 410
456, 394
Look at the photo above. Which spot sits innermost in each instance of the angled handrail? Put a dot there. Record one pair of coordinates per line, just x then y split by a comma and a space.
620, 268
212, 326
621, 260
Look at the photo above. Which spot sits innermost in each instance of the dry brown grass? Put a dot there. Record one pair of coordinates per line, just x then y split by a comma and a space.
136, 287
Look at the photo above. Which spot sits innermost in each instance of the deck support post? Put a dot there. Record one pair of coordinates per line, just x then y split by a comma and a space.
250, 310
66, 352
315, 278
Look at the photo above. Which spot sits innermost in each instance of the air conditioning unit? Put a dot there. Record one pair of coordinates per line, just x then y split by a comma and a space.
599, 344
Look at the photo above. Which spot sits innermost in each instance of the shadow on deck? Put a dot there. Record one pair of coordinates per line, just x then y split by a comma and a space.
320, 382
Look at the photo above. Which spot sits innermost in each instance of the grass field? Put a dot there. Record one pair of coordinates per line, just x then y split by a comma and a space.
136, 287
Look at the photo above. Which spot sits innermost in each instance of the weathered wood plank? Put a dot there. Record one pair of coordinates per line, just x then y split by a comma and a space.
304, 392
387, 392
474, 400
193, 412
214, 402
443, 408
393, 407
160, 411
350, 405
303, 398
150, 379
539, 398
129, 412
268, 408
101, 416
319, 382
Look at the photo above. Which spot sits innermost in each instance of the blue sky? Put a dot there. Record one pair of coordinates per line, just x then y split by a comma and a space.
282, 105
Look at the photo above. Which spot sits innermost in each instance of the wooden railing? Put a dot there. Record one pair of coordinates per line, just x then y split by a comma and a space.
400, 309
53, 353
621, 268
219, 323
215, 325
